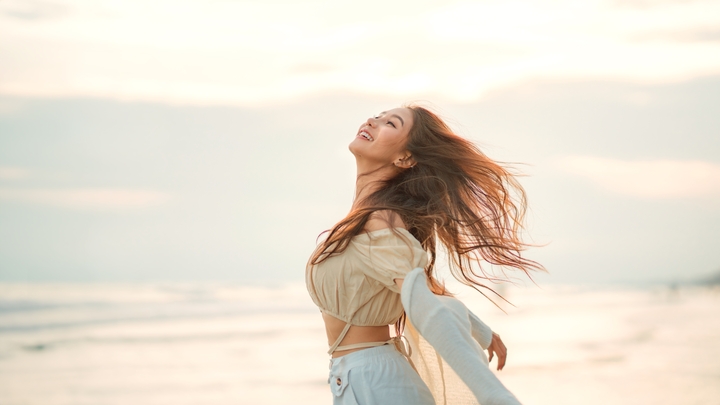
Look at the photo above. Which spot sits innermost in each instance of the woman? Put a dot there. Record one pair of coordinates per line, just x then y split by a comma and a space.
417, 184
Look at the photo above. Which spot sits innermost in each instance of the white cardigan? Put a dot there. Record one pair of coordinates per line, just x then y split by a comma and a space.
447, 342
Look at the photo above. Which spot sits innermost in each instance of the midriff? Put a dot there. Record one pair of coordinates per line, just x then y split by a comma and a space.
356, 334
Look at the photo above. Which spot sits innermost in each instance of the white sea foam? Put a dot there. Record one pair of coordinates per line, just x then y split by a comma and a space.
225, 344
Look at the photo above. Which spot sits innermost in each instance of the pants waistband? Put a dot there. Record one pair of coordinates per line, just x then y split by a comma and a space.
356, 358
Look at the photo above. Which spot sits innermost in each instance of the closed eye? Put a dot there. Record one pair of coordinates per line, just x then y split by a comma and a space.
392, 123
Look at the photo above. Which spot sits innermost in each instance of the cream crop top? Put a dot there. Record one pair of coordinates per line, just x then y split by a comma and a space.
357, 286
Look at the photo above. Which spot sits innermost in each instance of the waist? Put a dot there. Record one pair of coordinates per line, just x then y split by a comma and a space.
355, 335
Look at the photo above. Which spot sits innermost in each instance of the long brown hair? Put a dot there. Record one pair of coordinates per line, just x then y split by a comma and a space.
454, 194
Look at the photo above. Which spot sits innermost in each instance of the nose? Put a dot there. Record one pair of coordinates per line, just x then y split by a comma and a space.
372, 121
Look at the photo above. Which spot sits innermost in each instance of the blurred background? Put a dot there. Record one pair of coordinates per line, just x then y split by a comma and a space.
165, 168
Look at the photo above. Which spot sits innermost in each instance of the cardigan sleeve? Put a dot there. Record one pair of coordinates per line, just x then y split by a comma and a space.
480, 331
444, 322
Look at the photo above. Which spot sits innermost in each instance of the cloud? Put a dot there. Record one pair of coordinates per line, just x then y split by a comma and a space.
648, 4
245, 53
648, 178
86, 198
32, 10
708, 34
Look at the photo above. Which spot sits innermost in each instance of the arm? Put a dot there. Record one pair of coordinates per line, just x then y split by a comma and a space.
447, 327
482, 333
488, 340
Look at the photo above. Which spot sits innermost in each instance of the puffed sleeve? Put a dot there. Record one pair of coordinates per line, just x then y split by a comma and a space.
388, 254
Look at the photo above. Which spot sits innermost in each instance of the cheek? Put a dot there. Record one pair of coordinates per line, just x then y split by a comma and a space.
394, 142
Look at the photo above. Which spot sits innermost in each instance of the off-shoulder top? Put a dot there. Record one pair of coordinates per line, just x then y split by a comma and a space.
357, 285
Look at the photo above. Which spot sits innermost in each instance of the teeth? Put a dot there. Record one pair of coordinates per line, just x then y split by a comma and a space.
366, 135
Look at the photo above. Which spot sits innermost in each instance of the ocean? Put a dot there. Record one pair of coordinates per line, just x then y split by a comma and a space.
173, 343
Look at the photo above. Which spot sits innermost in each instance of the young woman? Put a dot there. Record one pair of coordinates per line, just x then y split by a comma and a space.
417, 184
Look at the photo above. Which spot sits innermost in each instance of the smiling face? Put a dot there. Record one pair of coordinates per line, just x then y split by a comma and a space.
381, 139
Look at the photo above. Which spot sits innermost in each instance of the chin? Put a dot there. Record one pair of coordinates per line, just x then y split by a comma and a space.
353, 147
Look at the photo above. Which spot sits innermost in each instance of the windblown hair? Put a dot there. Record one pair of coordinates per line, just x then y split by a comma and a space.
454, 195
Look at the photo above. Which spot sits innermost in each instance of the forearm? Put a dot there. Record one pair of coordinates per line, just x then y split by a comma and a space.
446, 325
480, 331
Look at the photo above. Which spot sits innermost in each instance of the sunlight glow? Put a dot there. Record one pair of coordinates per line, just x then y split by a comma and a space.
652, 178
262, 52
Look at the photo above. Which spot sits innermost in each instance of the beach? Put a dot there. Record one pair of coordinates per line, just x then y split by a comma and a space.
145, 343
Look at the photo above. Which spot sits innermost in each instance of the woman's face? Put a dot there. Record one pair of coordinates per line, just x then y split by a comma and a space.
382, 138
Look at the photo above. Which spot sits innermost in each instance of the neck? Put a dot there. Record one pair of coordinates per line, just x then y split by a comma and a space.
369, 178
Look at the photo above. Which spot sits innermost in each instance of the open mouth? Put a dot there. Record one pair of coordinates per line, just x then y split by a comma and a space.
365, 135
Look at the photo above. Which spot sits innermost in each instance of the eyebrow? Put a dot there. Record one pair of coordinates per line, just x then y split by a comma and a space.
402, 123
398, 117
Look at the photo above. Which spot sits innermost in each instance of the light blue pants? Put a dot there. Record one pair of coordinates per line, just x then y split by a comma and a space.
376, 376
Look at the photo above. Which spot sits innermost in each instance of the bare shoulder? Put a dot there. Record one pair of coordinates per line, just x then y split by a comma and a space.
384, 219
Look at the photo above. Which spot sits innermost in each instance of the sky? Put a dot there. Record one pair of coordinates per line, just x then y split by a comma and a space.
207, 140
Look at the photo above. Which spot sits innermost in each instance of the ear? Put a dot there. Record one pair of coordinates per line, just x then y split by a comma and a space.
405, 162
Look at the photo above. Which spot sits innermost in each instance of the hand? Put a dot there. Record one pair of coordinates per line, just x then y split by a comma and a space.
497, 346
